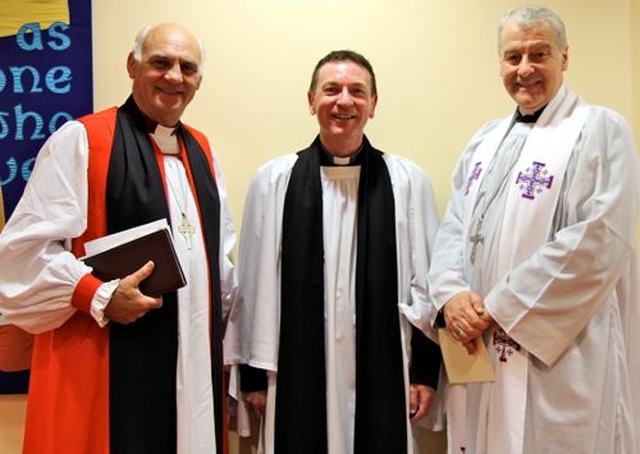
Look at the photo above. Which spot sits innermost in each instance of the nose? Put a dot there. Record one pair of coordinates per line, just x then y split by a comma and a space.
345, 97
525, 68
174, 73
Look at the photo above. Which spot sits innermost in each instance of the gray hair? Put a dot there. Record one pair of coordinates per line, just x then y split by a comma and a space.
527, 16
138, 42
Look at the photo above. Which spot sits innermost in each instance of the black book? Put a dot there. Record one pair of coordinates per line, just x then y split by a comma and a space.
124, 259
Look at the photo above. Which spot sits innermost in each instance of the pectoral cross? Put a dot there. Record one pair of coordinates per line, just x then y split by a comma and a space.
186, 229
476, 239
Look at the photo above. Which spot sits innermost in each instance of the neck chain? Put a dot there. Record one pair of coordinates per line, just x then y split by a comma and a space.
185, 228
489, 197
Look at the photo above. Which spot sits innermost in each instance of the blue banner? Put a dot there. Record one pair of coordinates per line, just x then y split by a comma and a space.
46, 79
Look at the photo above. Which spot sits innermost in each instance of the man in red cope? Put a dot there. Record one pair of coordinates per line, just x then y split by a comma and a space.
115, 370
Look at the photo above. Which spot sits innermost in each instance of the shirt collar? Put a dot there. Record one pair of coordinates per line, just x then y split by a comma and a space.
530, 118
327, 159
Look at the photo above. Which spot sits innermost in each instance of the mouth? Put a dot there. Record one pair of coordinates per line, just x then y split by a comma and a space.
169, 92
343, 116
528, 84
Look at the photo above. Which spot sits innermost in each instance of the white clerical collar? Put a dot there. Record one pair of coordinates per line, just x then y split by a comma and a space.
166, 139
164, 130
330, 159
337, 160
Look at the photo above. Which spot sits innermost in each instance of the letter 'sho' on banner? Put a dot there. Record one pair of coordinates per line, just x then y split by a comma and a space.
46, 79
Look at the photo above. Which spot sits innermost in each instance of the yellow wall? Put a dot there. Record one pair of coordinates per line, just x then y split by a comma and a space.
634, 18
12, 412
435, 61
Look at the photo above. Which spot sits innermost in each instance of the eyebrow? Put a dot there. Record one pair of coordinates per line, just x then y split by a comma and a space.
351, 84
164, 55
535, 46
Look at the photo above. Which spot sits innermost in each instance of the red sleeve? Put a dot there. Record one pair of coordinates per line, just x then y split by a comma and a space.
84, 291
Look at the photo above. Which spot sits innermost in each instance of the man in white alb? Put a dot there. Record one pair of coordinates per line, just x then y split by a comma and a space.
333, 296
536, 256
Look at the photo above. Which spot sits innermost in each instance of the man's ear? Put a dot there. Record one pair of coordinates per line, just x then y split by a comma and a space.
373, 108
131, 65
311, 100
565, 59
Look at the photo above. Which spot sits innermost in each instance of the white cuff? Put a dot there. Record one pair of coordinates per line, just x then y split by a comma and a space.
100, 300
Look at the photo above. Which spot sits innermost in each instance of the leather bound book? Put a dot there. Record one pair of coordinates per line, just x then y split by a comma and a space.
124, 259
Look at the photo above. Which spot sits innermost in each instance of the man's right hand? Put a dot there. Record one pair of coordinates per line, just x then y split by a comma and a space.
256, 400
128, 303
466, 318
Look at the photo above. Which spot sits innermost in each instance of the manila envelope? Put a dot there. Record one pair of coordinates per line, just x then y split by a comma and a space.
462, 367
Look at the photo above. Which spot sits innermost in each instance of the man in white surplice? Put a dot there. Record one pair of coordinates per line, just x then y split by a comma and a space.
536, 255
311, 288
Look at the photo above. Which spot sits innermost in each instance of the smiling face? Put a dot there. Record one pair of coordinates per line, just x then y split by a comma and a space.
343, 102
167, 76
531, 64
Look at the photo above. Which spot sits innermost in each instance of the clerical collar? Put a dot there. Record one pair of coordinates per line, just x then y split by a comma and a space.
163, 131
327, 159
153, 127
530, 118
167, 140
164, 136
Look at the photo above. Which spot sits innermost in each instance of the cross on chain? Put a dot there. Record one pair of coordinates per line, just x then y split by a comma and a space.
535, 182
186, 230
476, 239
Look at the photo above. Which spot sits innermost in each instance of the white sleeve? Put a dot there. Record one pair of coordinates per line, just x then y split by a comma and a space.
546, 301
416, 226
39, 273
252, 334
228, 281
447, 271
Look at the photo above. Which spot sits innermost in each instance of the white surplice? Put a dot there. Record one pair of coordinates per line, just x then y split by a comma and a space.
253, 330
41, 273
568, 302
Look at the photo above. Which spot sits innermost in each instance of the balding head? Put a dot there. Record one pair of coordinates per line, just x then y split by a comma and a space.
166, 68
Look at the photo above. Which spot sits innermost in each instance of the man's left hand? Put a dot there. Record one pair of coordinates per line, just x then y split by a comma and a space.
420, 399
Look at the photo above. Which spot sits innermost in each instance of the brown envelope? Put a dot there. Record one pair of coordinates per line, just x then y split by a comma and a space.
462, 367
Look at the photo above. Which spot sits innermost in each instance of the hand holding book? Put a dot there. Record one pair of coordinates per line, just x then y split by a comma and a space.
121, 254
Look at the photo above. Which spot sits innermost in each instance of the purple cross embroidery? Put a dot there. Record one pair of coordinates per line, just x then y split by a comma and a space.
475, 174
534, 180
504, 345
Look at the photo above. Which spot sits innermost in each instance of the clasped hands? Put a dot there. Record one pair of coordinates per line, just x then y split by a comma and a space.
466, 318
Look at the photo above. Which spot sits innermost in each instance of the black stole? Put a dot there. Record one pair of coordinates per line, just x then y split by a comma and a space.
380, 416
143, 355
